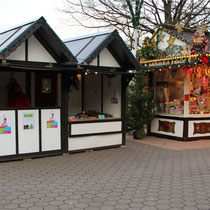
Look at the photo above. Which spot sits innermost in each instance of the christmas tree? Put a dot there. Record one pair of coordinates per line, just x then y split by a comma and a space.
140, 106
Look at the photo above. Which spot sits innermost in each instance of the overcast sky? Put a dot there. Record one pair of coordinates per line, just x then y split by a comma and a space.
16, 12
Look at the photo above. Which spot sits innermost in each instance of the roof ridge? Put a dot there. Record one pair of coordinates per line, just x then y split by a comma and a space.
89, 35
22, 25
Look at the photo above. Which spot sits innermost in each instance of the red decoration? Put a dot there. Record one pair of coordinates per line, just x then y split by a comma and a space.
187, 70
204, 59
186, 97
204, 80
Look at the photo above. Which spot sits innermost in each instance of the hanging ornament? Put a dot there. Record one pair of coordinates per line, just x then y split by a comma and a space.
204, 28
179, 28
154, 43
171, 41
161, 37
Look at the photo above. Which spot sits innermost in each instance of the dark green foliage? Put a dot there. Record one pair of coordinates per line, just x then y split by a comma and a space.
140, 105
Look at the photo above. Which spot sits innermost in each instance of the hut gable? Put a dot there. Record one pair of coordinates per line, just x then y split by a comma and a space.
34, 41
36, 52
102, 49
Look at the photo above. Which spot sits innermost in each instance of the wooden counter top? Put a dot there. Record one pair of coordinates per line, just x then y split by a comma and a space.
94, 119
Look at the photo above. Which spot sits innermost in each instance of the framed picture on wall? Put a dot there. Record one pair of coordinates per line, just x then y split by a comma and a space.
46, 85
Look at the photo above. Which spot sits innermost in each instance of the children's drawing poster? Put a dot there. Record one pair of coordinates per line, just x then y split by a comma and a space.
5, 127
114, 99
28, 121
52, 123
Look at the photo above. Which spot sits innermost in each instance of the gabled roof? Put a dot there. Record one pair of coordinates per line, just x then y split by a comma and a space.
184, 36
87, 48
11, 39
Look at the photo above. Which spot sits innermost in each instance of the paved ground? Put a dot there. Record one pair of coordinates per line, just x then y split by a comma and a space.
173, 144
139, 176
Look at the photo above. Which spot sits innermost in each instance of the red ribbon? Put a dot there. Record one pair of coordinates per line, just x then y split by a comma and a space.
204, 59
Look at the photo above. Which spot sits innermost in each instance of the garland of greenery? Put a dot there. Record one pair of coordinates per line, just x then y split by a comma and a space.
172, 65
193, 29
171, 33
149, 51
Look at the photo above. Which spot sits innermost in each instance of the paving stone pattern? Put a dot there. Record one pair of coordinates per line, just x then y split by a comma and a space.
136, 177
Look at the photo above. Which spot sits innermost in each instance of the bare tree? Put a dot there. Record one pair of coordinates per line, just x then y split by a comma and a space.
189, 13
125, 15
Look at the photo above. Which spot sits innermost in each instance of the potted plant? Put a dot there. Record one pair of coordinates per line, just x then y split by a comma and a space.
140, 106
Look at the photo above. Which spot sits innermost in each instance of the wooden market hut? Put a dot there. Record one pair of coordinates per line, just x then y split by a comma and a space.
178, 64
105, 59
70, 111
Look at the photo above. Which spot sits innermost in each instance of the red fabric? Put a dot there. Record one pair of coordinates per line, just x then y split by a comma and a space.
21, 100
186, 97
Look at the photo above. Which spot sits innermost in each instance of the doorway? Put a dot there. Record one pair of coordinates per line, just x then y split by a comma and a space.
46, 89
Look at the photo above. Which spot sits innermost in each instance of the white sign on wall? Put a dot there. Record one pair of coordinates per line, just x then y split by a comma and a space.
51, 129
7, 133
28, 131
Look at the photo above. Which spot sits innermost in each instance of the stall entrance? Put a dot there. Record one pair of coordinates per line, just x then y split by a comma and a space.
46, 89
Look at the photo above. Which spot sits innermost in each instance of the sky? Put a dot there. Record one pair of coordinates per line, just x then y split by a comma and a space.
16, 12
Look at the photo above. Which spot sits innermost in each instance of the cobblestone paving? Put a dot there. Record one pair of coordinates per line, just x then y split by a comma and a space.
136, 177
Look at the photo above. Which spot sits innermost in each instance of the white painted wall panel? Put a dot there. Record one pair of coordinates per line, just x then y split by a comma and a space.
28, 138
191, 128
163, 45
36, 52
94, 62
79, 143
106, 59
51, 136
18, 54
88, 128
8, 140
179, 125
111, 86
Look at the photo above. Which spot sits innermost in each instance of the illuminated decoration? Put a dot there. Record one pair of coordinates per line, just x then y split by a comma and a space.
179, 27
171, 41
173, 69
